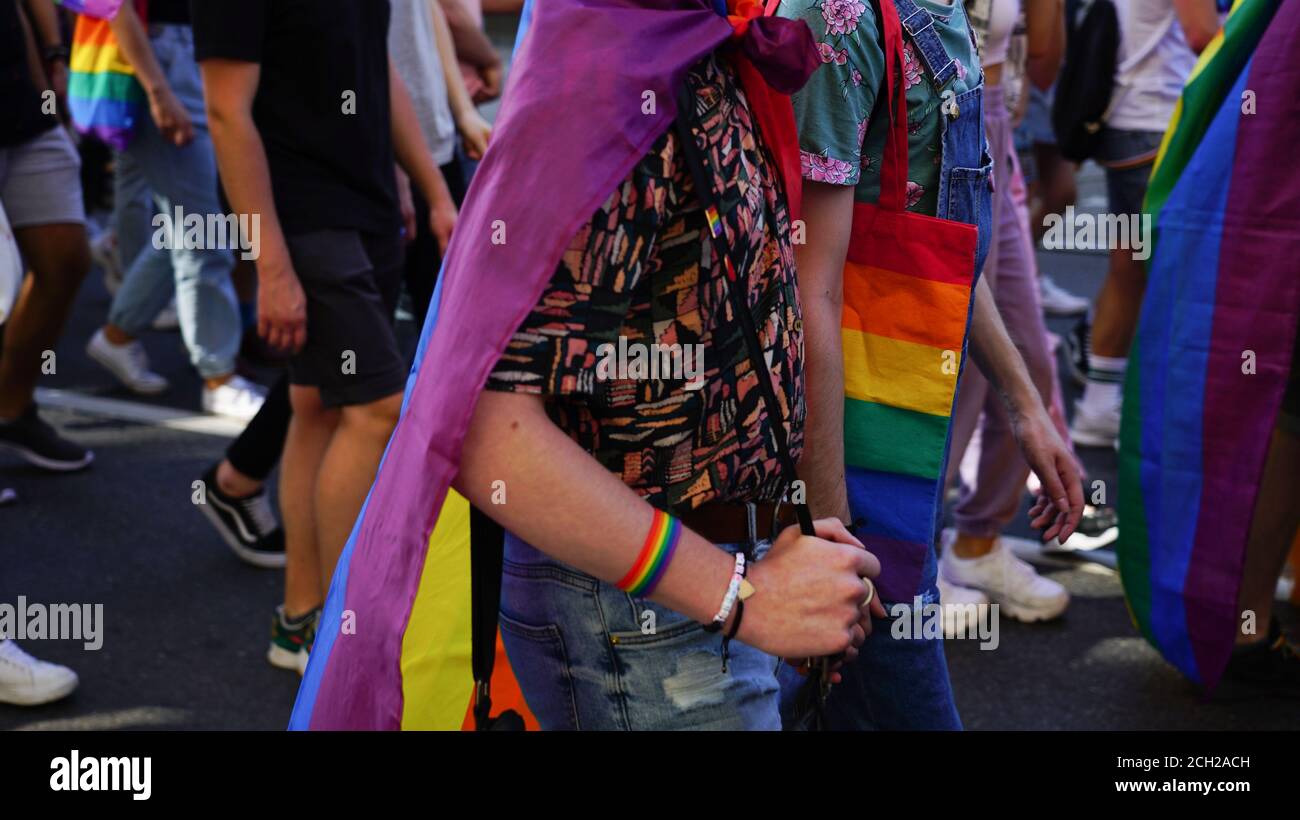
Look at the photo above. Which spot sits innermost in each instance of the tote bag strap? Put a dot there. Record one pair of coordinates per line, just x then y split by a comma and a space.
893, 170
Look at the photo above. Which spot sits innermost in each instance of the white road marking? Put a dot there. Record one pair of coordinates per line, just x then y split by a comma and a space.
140, 413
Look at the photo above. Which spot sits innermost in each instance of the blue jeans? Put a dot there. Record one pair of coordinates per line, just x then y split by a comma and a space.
589, 656
895, 683
177, 177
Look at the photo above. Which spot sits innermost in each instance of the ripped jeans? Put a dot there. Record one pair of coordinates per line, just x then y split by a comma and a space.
589, 656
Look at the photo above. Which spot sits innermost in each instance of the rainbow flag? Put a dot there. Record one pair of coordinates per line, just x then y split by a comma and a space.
1214, 343
104, 97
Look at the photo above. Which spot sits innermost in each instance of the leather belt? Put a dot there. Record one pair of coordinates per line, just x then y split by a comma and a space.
738, 522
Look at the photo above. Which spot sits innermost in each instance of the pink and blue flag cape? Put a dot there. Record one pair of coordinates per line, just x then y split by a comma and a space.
393, 649
1214, 345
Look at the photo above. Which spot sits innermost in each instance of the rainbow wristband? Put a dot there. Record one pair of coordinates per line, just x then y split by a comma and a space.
656, 554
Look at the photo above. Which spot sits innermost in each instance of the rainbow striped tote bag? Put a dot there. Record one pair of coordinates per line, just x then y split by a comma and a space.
104, 96
908, 283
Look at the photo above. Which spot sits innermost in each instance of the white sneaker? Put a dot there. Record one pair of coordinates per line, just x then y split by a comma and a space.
1099, 527
1057, 301
964, 609
128, 362
238, 399
1093, 426
25, 681
168, 320
1020, 592
103, 249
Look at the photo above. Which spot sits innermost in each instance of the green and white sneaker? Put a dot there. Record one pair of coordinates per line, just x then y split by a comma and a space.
292, 639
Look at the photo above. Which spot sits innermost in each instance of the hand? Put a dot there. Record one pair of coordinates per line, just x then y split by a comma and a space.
1059, 505
281, 310
171, 117
491, 89
442, 220
809, 594
475, 131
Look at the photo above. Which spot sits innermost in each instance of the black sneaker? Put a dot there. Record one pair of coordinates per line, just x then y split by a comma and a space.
1076, 344
38, 443
1269, 668
246, 524
1098, 527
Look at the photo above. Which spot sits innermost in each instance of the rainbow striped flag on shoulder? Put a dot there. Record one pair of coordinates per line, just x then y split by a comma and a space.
104, 96
1214, 344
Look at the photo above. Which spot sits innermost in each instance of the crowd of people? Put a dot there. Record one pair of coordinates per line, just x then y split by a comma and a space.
351, 129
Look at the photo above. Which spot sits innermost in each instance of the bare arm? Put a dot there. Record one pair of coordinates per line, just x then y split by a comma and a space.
230, 87
1047, 455
563, 502
472, 44
828, 218
167, 112
34, 64
1200, 22
473, 128
1045, 29
414, 158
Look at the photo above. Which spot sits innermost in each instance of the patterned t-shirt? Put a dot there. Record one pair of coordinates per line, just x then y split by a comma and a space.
643, 273
839, 141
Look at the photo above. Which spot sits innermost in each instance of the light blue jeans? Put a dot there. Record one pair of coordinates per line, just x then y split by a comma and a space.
589, 656
177, 177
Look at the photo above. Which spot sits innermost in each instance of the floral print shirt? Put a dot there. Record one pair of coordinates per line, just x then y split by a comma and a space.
839, 141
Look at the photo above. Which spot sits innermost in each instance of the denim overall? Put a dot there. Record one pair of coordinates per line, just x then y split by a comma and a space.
902, 682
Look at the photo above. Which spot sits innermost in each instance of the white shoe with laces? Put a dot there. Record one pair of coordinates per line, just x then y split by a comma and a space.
237, 398
128, 362
26, 681
1019, 591
1057, 301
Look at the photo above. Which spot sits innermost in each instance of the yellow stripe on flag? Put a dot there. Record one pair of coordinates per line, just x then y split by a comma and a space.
899, 374
437, 651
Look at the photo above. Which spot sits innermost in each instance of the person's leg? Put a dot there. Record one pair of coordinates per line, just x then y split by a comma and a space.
1276, 520
311, 428
251, 457
41, 191
238, 507
346, 473
1129, 156
186, 179
59, 258
1057, 188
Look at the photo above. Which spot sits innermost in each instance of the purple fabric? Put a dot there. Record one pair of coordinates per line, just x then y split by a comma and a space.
781, 52
577, 116
1261, 227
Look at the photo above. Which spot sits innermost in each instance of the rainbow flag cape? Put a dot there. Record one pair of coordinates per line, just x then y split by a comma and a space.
1214, 343
104, 97
393, 650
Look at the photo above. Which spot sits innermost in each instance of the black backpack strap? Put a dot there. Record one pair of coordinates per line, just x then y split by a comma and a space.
737, 287
487, 557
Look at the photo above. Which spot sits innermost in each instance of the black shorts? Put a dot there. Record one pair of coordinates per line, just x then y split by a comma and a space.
352, 281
